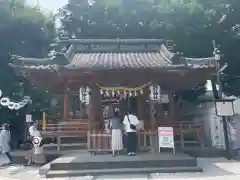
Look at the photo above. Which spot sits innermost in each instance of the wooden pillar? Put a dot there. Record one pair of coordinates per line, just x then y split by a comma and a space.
140, 109
178, 109
153, 125
214, 89
172, 105
95, 110
146, 114
65, 104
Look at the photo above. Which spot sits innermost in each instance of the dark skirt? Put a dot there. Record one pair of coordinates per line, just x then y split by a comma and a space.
132, 142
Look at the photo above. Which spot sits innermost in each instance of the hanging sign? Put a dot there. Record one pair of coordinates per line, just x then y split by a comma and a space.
28, 118
166, 138
164, 98
224, 107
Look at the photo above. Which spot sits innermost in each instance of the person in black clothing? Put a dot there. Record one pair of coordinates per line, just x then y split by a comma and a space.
130, 125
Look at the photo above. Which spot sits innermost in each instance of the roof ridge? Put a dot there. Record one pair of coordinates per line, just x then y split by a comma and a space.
111, 41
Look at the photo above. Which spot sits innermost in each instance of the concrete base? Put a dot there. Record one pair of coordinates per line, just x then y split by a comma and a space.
206, 152
83, 163
99, 172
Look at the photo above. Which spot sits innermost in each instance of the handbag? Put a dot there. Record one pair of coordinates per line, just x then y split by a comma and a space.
132, 126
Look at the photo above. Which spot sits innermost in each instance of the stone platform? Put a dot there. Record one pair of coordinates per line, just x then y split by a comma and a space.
19, 156
83, 164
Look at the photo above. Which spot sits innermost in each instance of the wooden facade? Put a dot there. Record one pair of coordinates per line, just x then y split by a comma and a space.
125, 63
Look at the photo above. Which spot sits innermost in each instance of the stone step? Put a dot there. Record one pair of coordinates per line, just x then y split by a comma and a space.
99, 172
21, 158
138, 163
205, 152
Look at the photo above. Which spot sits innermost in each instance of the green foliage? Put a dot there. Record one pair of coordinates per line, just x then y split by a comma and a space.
24, 31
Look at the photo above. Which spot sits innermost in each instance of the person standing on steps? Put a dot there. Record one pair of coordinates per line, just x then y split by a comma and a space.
130, 125
36, 154
116, 126
5, 138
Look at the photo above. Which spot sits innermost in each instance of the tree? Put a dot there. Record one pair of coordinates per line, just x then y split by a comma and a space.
226, 26
27, 32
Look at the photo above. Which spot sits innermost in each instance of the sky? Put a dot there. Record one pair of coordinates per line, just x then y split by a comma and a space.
50, 5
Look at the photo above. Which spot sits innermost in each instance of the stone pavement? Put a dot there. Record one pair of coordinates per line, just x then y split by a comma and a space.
214, 169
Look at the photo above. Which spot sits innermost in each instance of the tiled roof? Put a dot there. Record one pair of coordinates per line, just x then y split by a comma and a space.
118, 60
103, 54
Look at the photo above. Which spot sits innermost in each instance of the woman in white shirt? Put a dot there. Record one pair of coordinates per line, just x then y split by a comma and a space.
130, 125
36, 155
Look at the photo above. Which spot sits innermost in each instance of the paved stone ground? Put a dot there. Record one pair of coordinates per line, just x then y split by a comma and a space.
214, 169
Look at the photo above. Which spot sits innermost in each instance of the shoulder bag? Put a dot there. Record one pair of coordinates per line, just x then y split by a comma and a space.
132, 126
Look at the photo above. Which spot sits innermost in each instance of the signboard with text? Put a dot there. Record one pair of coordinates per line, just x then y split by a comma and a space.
166, 138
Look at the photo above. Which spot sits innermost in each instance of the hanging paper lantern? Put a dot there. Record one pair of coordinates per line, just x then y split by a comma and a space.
107, 93
155, 92
84, 94
135, 93
125, 94
118, 93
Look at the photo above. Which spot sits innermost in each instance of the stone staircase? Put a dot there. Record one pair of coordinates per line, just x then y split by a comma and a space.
84, 165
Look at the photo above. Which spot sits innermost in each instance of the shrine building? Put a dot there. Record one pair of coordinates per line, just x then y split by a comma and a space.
142, 74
